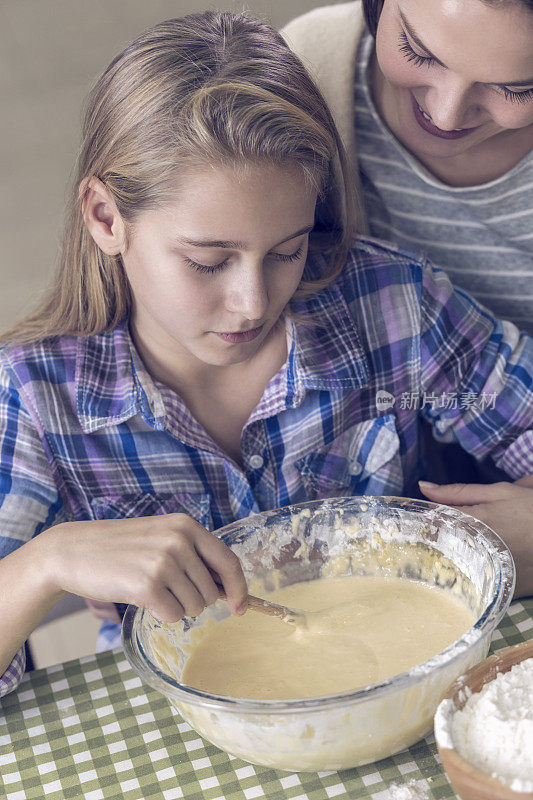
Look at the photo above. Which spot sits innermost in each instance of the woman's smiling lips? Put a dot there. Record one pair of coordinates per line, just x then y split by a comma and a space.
237, 337
423, 120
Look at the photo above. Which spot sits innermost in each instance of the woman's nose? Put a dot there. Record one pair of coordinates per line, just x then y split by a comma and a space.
451, 105
248, 293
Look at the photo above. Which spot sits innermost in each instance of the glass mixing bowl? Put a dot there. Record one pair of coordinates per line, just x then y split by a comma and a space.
383, 536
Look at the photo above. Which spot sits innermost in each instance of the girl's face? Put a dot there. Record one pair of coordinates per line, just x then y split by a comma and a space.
212, 273
458, 72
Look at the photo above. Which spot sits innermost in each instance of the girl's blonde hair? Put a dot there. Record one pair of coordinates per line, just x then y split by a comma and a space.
216, 88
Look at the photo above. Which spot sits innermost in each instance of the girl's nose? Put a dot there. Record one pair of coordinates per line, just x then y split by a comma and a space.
451, 105
248, 293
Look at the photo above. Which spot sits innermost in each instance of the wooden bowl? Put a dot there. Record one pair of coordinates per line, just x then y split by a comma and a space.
468, 781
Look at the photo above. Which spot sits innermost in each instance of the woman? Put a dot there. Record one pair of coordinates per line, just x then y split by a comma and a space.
441, 131
434, 103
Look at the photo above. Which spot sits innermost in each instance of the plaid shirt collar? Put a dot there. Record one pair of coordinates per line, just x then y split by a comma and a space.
112, 384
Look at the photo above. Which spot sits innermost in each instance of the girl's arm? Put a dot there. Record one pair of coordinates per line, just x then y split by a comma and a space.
476, 377
29, 503
26, 595
483, 370
164, 563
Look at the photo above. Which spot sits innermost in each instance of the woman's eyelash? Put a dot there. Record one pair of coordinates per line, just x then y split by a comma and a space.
410, 54
517, 97
420, 61
210, 268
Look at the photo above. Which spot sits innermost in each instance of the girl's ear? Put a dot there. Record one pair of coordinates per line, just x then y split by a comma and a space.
101, 216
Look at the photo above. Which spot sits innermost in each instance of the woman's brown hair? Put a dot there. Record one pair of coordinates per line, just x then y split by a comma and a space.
372, 10
216, 88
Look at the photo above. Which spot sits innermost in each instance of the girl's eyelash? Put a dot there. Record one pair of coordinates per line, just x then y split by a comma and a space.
420, 61
210, 268
410, 54
288, 258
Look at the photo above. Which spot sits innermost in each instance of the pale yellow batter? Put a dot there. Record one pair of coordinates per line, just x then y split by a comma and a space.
371, 629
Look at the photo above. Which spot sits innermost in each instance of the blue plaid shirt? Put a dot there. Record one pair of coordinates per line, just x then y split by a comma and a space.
87, 434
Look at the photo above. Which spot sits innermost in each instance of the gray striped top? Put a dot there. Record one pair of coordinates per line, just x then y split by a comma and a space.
481, 235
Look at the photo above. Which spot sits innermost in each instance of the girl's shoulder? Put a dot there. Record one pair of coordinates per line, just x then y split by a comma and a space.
70, 375
58, 365
373, 265
382, 287
38, 376
48, 360
368, 252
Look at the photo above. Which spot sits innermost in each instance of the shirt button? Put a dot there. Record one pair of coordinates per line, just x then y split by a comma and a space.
256, 462
356, 468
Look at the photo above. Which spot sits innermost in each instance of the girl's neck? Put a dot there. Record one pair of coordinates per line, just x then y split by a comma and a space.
221, 399
184, 373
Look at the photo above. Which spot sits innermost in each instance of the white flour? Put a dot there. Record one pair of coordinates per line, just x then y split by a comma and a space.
414, 790
494, 730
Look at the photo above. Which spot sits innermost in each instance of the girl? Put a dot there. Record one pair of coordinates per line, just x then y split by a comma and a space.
434, 102
194, 363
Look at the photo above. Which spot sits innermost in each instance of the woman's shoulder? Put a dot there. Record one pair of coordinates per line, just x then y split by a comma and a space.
326, 38
332, 16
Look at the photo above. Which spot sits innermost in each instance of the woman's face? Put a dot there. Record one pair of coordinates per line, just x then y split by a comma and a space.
457, 72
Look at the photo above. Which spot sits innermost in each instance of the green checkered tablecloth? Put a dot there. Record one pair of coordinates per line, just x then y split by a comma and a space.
91, 729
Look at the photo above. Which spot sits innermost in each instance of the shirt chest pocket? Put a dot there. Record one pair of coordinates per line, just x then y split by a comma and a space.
365, 459
147, 505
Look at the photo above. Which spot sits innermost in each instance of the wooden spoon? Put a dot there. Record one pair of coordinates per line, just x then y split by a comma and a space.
291, 615
469, 781
318, 622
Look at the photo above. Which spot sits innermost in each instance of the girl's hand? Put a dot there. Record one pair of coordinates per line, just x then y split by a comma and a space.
505, 507
166, 563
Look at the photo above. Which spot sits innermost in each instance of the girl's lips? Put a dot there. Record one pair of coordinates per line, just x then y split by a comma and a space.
240, 336
429, 127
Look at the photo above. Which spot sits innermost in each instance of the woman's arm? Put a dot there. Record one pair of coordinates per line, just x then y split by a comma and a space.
164, 563
507, 508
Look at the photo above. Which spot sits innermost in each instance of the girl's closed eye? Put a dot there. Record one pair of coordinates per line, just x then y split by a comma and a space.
208, 268
211, 268
288, 257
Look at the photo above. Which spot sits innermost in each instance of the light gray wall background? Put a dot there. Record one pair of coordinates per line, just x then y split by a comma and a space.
50, 53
